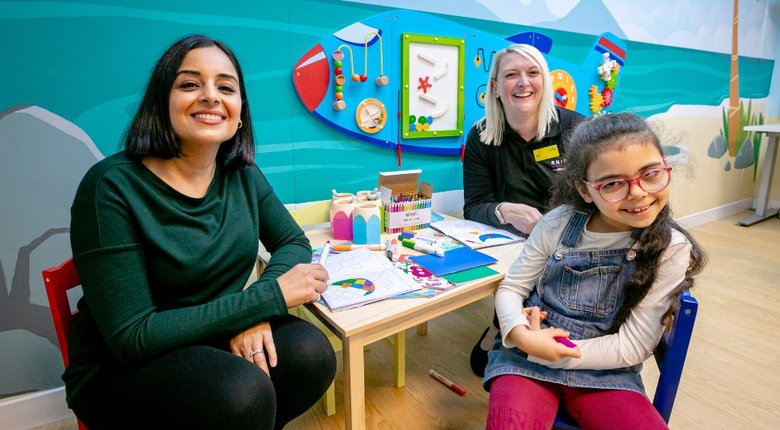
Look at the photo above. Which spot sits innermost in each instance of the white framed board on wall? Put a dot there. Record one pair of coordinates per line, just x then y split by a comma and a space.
432, 86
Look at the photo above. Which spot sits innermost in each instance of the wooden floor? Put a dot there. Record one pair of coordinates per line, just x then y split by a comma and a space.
732, 374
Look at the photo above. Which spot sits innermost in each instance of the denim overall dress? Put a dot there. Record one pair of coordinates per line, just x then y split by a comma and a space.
581, 292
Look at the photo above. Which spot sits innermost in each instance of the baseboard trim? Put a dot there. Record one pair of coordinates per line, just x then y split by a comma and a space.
693, 220
34, 409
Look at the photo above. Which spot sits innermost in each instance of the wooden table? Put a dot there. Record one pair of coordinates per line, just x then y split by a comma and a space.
366, 324
762, 211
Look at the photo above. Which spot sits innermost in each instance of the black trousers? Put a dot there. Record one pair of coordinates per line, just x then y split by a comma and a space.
207, 387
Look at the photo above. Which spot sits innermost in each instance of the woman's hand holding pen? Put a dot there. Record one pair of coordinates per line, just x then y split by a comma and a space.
303, 284
256, 344
541, 342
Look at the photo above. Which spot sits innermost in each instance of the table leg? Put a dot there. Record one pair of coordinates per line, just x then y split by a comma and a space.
354, 384
330, 400
422, 329
399, 358
762, 200
766, 177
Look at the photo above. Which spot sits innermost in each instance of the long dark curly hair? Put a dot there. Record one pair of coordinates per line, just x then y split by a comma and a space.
614, 131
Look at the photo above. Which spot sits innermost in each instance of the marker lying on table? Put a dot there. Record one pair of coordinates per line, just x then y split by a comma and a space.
419, 237
423, 246
350, 247
391, 250
454, 387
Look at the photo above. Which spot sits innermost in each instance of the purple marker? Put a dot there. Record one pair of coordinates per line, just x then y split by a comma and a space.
565, 341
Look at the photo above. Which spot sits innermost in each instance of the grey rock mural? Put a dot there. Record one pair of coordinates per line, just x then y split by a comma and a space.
42, 159
745, 155
718, 147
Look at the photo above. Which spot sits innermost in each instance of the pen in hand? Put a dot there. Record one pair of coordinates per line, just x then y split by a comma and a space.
324, 254
453, 386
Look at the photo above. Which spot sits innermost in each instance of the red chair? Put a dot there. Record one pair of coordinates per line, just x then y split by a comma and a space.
58, 280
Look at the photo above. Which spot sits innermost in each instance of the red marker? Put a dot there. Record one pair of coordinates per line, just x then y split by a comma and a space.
454, 387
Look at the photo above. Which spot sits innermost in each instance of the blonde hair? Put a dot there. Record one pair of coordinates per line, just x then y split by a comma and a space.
495, 118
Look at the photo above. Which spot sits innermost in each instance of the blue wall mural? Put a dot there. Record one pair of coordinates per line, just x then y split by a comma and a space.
89, 62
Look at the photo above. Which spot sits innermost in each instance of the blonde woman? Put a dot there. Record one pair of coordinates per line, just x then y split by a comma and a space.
513, 153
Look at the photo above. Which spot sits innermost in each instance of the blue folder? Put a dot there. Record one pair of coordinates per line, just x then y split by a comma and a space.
454, 260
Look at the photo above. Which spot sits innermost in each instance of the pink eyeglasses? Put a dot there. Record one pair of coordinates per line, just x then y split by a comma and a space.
615, 190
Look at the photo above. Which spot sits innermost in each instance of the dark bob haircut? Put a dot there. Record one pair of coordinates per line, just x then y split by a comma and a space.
151, 132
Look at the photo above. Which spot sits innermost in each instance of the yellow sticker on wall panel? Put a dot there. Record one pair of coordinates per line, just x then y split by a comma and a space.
546, 153
564, 89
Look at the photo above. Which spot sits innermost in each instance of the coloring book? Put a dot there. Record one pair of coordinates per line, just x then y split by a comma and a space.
362, 276
475, 235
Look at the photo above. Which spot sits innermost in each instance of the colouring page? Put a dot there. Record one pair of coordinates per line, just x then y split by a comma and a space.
475, 235
355, 262
362, 276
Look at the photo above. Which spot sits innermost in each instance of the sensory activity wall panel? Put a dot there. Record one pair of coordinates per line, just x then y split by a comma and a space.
432, 87
368, 79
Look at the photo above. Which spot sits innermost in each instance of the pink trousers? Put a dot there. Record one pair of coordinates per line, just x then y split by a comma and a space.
519, 403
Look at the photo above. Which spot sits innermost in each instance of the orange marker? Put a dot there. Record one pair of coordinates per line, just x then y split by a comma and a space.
350, 247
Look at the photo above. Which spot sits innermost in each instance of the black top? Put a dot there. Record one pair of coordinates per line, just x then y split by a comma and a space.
510, 172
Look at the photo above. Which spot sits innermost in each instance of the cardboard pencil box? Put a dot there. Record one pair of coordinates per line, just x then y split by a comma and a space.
406, 201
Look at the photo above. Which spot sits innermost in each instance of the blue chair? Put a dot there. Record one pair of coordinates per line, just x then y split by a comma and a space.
670, 357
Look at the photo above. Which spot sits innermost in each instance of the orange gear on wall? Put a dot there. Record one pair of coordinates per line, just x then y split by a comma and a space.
596, 99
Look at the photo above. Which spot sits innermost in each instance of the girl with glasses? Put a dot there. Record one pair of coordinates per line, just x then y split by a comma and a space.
512, 154
603, 273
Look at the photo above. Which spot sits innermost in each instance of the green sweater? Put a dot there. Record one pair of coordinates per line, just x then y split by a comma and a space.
161, 270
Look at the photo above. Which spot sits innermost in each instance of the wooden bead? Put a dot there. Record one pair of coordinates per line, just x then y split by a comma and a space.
382, 81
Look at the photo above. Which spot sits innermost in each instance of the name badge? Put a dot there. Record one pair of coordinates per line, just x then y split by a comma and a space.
546, 153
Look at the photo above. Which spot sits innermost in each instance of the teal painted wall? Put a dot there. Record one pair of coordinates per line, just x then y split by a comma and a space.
88, 62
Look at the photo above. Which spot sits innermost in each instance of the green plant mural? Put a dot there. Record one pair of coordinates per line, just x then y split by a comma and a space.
746, 144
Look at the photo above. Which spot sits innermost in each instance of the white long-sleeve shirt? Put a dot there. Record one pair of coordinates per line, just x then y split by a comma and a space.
637, 336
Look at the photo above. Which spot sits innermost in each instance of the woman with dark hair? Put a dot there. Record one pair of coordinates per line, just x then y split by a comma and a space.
513, 153
173, 331
605, 268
